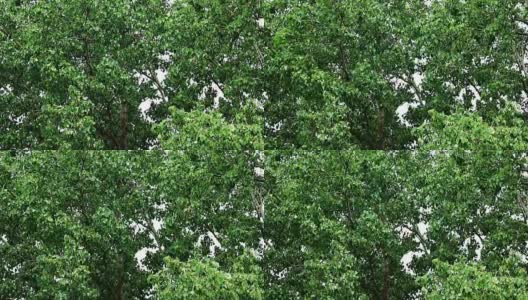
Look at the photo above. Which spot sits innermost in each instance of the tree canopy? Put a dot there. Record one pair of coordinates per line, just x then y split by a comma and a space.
263, 149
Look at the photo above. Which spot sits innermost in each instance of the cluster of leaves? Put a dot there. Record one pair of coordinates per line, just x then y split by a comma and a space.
203, 279
319, 224
463, 281
328, 74
283, 163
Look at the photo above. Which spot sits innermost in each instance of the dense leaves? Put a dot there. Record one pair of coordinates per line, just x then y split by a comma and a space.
460, 281
329, 74
317, 149
67, 224
197, 279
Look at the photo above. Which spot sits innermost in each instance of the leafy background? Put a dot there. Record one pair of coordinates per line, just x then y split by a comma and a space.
270, 149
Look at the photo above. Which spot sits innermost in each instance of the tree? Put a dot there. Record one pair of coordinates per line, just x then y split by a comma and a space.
331, 69
337, 206
315, 149
471, 56
70, 73
71, 224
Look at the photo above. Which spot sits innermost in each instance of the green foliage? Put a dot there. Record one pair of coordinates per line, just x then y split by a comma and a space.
468, 131
65, 276
196, 130
96, 49
330, 71
319, 149
213, 43
204, 279
329, 74
336, 206
471, 56
66, 224
473, 281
